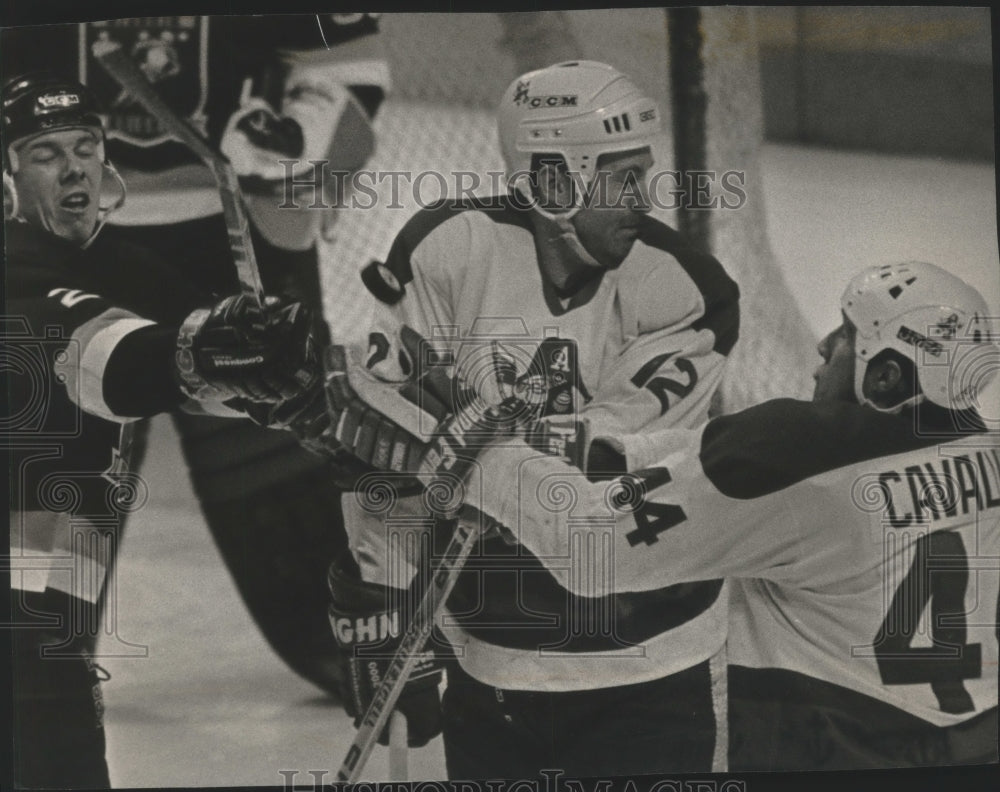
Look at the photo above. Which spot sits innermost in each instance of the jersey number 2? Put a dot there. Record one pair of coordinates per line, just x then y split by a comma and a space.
661, 386
936, 579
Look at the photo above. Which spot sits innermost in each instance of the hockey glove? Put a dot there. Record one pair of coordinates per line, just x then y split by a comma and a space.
257, 139
236, 349
369, 424
306, 416
368, 623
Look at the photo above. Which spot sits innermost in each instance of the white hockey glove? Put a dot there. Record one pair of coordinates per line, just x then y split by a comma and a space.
367, 422
256, 139
258, 136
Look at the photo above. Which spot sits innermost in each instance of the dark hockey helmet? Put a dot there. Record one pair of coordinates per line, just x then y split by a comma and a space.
38, 102
41, 102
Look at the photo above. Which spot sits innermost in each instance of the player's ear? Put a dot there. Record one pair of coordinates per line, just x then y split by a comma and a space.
883, 381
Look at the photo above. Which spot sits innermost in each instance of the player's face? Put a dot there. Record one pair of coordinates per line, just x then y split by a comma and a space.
58, 181
609, 225
835, 375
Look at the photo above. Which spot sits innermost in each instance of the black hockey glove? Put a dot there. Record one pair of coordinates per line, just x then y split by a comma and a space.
307, 417
238, 350
368, 622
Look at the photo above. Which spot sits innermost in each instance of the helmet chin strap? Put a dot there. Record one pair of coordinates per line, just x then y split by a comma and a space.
860, 369
11, 190
562, 220
103, 212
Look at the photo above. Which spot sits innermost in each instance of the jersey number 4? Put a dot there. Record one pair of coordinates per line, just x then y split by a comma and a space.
937, 579
651, 519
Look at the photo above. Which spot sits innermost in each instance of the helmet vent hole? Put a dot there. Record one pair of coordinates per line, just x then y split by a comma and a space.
895, 291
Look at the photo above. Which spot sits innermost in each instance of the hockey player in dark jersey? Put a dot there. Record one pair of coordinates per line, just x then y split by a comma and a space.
565, 273
98, 333
262, 88
860, 531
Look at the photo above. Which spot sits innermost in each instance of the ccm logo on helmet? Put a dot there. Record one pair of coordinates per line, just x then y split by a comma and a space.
534, 102
48, 101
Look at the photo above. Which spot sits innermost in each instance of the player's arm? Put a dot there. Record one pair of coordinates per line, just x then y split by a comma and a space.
680, 320
711, 505
121, 366
661, 379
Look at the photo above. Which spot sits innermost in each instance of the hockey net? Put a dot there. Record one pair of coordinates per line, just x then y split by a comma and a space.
448, 72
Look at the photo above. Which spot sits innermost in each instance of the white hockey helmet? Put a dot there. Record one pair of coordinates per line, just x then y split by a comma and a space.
929, 316
579, 109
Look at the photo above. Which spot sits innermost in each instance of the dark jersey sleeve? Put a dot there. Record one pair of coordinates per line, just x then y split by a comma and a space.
108, 325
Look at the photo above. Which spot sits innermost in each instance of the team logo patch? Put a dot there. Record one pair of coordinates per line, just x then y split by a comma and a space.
948, 328
555, 371
172, 51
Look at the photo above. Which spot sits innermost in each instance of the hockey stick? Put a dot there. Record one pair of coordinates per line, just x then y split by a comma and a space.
124, 71
399, 769
442, 582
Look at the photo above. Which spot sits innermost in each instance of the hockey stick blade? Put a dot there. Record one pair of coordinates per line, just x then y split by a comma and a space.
442, 582
124, 71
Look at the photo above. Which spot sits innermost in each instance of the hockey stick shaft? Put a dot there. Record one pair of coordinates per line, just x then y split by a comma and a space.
442, 582
124, 71
399, 750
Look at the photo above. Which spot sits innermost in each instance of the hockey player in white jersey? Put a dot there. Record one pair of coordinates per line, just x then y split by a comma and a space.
861, 530
563, 282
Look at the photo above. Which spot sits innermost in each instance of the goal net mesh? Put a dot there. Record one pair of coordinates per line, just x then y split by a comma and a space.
449, 70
